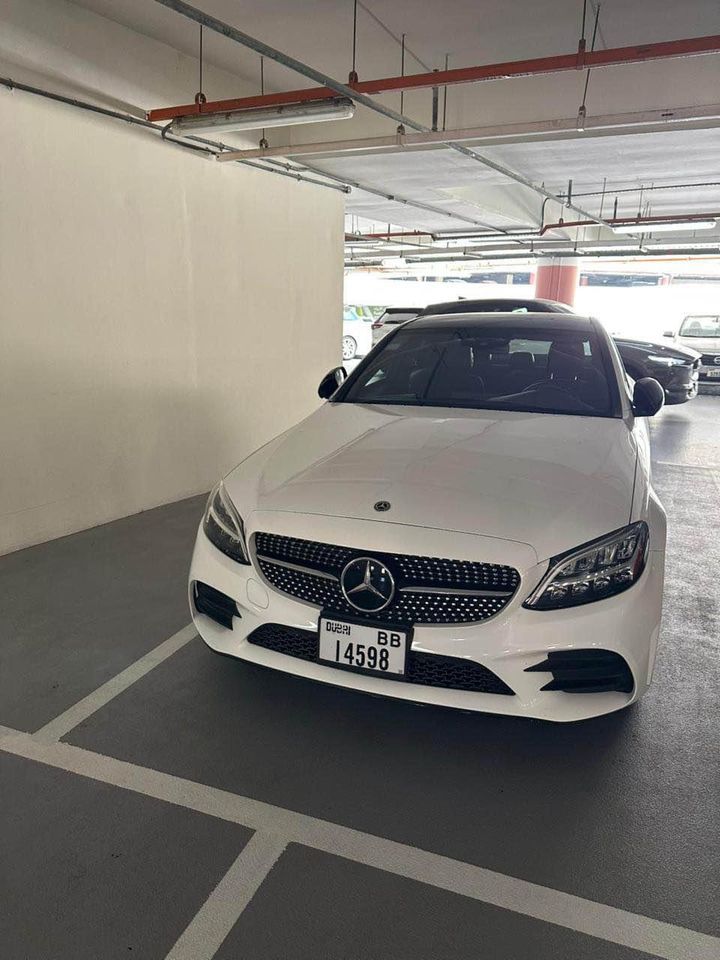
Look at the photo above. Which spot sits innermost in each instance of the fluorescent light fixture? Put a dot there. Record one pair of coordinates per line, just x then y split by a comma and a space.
491, 237
664, 226
285, 115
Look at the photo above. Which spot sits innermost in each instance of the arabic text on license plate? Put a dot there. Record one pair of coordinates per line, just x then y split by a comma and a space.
361, 647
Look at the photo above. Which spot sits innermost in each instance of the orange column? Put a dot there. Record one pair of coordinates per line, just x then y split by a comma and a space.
557, 279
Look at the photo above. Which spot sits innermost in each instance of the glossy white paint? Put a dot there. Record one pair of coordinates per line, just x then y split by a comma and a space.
491, 473
500, 487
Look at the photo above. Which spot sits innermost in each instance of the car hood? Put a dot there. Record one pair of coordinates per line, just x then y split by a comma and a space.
548, 481
702, 344
660, 349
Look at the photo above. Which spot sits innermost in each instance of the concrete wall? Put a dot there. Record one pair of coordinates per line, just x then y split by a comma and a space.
161, 316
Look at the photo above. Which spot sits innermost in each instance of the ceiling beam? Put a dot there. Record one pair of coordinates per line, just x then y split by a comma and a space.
579, 60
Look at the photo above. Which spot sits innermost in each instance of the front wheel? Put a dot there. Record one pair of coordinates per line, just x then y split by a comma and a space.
349, 348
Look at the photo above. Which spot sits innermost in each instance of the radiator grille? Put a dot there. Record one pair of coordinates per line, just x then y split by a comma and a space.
428, 589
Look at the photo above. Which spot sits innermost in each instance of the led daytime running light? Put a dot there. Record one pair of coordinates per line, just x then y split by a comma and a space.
594, 571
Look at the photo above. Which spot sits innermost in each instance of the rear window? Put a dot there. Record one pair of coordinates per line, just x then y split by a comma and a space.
488, 368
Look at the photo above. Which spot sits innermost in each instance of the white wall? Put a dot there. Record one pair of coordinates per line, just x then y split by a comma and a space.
161, 315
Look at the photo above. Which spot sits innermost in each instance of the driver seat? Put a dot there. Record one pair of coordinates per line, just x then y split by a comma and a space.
569, 368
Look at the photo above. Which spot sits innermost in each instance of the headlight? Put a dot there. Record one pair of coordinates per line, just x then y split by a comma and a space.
593, 571
223, 526
669, 361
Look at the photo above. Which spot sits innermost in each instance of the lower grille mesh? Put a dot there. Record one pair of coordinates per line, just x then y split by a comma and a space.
426, 669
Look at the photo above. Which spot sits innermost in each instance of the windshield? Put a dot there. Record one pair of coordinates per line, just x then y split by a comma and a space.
707, 326
487, 368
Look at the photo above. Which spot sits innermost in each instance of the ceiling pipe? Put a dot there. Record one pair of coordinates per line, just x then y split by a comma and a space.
199, 145
389, 234
581, 59
603, 254
528, 234
632, 221
264, 49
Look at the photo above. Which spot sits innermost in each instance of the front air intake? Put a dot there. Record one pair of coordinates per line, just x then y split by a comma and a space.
426, 669
586, 671
214, 604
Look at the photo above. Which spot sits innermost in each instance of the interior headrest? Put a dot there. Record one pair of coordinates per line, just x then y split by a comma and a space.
566, 359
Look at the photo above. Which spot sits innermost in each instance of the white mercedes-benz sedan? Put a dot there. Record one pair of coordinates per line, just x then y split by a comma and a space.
467, 521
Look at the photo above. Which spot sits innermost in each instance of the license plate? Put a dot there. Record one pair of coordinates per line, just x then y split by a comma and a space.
357, 646
712, 373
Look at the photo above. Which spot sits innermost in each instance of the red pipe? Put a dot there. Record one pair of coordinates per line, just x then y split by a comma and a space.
580, 60
388, 235
640, 221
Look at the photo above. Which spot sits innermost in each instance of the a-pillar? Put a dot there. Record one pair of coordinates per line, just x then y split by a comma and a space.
557, 279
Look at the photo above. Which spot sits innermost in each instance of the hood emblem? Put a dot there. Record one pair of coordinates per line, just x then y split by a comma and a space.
382, 506
367, 585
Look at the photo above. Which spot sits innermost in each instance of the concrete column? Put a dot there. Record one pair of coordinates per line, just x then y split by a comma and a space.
557, 279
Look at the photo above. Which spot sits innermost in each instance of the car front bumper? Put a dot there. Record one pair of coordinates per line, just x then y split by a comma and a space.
680, 383
507, 644
710, 374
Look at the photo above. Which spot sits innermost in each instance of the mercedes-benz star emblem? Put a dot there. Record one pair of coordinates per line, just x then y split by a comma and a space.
367, 585
382, 506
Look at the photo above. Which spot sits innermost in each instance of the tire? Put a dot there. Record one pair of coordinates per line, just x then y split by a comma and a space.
349, 348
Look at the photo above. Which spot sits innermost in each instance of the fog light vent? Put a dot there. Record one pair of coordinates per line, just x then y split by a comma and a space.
214, 604
586, 671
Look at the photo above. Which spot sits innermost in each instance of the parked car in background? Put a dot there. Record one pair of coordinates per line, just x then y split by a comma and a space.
391, 318
676, 368
701, 332
357, 339
467, 522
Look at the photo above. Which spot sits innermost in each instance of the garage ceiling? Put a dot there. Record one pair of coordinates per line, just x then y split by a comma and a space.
625, 161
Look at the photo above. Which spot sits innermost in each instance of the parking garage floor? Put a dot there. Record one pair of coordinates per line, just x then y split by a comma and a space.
158, 801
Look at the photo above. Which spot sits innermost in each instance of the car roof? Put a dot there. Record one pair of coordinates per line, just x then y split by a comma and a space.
403, 309
520, 321
512, 303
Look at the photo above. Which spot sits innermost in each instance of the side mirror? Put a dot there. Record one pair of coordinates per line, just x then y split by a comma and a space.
331, 381
648, 397
669, 333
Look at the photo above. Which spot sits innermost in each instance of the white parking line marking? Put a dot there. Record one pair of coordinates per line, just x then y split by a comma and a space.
216, 918
612, 924
85, 708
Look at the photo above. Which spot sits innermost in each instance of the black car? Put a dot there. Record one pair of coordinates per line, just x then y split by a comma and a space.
675, 368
